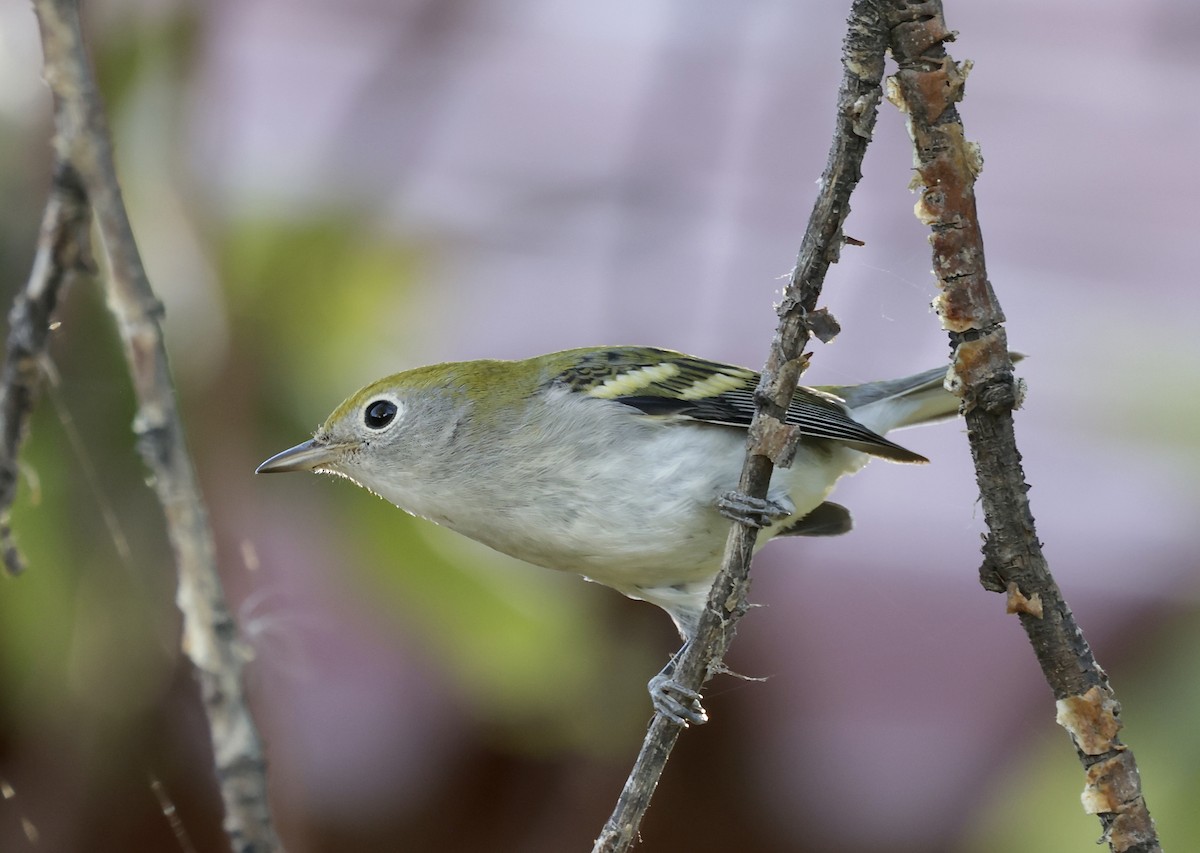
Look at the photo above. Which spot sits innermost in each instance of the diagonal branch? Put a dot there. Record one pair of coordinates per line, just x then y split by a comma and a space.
82, 144
64, 249
857, 106
927, 87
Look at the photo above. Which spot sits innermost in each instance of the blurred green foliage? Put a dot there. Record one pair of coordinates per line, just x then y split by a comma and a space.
1035, 804
312, 298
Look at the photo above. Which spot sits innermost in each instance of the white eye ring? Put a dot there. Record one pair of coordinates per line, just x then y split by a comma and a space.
381, 412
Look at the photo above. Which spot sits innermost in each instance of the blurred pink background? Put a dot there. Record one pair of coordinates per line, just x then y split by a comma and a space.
326, 192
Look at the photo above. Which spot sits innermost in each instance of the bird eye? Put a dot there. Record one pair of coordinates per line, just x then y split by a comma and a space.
379, 414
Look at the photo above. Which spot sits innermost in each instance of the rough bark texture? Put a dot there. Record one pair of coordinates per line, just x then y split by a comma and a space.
926, 87
857, 107
84, 151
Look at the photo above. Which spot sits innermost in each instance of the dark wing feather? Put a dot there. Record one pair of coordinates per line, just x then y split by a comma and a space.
816, 413
715, 410
714, 394
825, 416
828, 519
816, 417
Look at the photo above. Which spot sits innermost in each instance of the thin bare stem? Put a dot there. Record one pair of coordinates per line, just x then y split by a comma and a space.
83, 143
63, 251
927, 87
770, 442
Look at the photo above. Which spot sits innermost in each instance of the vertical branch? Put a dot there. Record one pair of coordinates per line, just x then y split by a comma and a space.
82, 143
927, 87
63, 250
770, 441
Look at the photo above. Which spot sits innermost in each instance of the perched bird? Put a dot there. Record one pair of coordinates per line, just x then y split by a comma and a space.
618, 463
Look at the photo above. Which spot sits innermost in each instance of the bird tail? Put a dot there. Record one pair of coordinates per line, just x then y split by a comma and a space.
897, 403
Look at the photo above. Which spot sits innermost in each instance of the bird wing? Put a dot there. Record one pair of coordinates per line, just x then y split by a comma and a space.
663, 383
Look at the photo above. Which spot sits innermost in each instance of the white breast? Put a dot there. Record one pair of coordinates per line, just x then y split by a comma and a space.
628, 501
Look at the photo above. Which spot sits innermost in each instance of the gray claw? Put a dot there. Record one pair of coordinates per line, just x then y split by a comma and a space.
754, 512
676, 702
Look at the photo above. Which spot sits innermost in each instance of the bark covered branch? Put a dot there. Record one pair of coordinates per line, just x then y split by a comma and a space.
926, 87
86, 177
857, 106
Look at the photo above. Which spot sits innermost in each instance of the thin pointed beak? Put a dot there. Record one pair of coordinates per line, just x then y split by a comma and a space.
303, 457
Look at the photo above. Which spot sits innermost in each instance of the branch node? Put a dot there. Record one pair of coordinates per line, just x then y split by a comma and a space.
821, 324
861, 114
921, 32
991, 574
776, 440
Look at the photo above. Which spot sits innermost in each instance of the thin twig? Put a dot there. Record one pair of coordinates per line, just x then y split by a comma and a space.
210, 636
63, 251
857, 107
927, 87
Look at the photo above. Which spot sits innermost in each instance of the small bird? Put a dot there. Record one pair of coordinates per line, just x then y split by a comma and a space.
619, 463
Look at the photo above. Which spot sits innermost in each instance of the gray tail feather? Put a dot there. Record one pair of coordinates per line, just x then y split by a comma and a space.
857, 396
911, 400
918, 399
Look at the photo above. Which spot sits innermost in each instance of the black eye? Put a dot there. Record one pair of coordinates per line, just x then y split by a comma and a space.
379, 414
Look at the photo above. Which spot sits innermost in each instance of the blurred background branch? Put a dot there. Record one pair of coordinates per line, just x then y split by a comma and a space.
83, 151
63, 250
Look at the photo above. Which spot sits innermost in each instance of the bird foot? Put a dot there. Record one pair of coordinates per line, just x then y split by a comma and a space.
753, 512
676, 702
